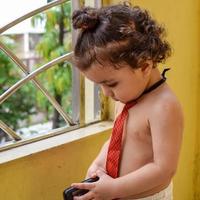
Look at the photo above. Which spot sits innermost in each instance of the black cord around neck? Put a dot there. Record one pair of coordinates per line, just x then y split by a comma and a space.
155, 85
158, 83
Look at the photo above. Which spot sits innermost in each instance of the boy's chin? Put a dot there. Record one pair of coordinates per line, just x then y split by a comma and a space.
120, 100
126, 101
115, 99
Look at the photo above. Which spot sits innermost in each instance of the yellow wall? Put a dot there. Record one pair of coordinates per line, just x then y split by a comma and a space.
182, 20
44, 176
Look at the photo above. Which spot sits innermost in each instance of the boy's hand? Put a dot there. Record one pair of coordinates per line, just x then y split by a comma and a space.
100, 190
92, 171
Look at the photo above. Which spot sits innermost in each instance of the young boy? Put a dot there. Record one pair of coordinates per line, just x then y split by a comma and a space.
119, 48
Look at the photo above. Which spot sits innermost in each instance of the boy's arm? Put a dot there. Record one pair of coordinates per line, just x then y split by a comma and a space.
166, 129
99, 162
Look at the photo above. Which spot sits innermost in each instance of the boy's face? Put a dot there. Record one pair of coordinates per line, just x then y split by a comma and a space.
123, 84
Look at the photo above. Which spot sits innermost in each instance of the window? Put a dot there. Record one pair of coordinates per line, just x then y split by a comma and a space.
42, 94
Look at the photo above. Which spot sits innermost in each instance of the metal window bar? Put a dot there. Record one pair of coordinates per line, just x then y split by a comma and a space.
77, 106
98, 103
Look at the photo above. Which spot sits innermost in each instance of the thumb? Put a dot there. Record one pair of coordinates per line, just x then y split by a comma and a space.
93, 175
100, 173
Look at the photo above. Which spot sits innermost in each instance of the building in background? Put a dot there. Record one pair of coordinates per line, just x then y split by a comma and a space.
26, 37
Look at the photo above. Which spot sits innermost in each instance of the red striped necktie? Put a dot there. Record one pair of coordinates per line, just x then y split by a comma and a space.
114, 149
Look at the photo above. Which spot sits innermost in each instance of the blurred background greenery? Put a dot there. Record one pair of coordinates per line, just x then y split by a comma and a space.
28, 106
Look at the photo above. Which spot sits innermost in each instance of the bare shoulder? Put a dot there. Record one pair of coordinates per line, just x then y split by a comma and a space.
166, 105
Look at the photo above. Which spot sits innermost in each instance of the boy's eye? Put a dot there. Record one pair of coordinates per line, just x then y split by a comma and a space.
112, 84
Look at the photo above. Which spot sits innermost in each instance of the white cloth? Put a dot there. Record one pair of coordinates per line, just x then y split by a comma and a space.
166, 194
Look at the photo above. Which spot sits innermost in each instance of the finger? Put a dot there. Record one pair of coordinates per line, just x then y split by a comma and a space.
86, 186
86, 196
93, 175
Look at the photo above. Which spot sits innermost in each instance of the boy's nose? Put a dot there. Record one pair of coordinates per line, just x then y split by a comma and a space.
106, 91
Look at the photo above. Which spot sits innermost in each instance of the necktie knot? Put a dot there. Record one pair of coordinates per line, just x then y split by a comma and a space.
129, 105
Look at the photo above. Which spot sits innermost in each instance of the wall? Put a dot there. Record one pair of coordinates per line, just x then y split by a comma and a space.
44, 175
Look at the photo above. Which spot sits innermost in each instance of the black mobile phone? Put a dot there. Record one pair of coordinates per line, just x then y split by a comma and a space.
72, 191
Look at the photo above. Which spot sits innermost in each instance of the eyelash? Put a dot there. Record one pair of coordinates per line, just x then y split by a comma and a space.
112, 85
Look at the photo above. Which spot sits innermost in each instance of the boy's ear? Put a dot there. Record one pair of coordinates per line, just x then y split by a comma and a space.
147, 67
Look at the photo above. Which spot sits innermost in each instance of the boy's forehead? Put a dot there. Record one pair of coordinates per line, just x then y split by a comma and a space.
101, 74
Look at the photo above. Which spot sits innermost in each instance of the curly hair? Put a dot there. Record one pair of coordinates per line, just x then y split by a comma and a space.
119, 34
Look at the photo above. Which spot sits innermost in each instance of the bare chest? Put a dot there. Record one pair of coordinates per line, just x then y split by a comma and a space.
136, 143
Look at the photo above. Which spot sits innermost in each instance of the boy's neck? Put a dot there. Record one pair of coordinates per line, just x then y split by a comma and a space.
155, 81
155, 77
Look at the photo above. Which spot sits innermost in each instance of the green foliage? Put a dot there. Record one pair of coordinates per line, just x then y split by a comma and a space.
20, 105
55, 42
